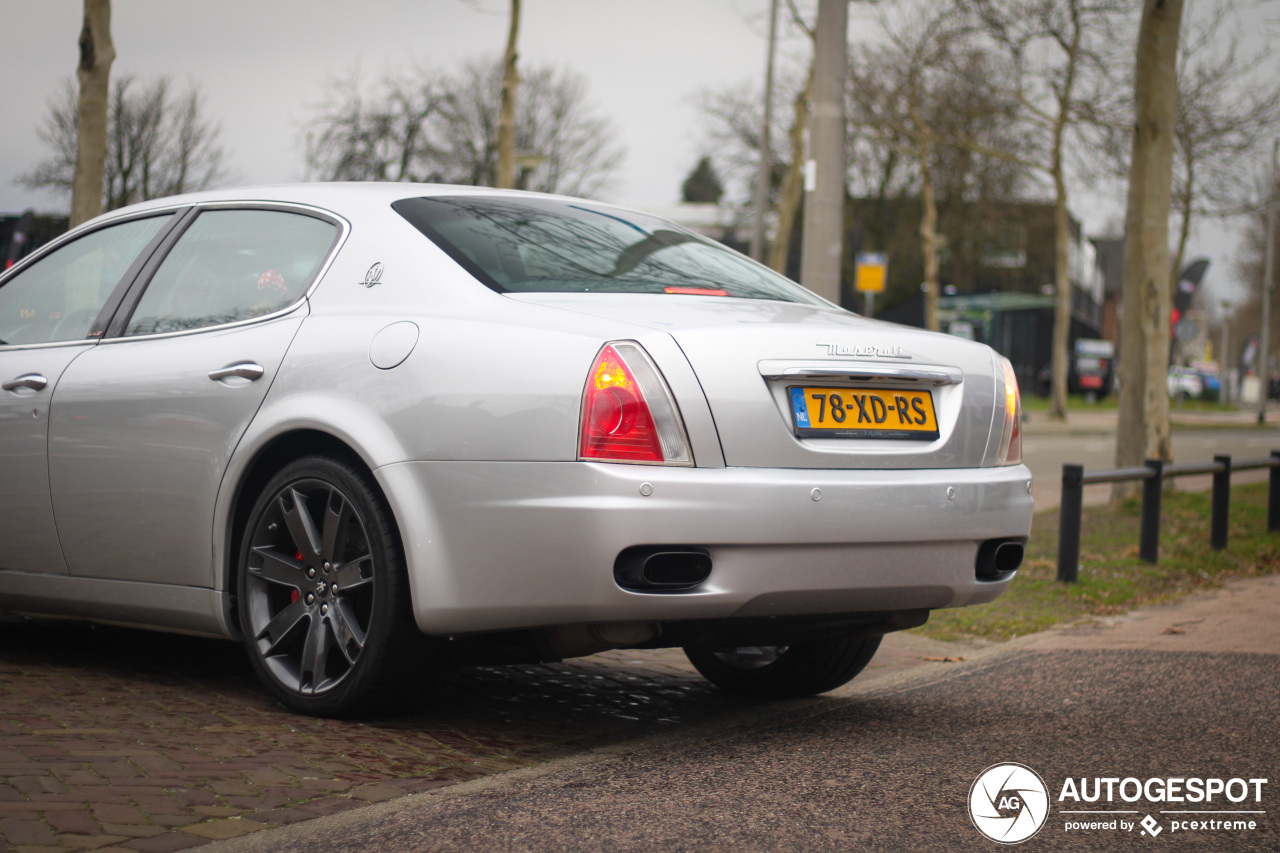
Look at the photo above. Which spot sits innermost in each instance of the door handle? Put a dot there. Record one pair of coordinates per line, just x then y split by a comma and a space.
244, 369
34, 381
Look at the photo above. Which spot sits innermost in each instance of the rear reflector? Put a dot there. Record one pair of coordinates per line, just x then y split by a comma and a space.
628, 413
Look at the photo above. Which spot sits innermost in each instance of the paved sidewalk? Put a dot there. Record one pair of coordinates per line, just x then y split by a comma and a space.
886, 762
115, 739
1241, 618
123, 740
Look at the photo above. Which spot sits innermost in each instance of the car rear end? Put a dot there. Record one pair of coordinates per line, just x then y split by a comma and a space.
744, 455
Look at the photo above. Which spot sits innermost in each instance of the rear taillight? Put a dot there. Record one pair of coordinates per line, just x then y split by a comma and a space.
628, 413
1011, 439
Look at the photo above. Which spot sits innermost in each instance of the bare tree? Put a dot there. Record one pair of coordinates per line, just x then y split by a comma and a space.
384, 137
507, 107
1227, 111
432, 126
158, 144
894, 96
792, 192
732, 121
730, 129
97, 52
1054, 56
1250, 267
1144, 402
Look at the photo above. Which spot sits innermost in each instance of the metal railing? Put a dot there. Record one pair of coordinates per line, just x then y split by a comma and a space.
1153, 473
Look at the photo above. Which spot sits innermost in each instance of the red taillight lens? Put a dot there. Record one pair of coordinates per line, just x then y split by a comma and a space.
628, 414
616, 422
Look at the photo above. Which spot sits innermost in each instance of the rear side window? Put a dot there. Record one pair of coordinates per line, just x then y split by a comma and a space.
542, 245
58, 297
233, 265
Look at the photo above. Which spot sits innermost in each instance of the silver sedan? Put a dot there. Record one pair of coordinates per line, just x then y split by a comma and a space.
372, 431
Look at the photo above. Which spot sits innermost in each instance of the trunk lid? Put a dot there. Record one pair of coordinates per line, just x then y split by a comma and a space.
749, 355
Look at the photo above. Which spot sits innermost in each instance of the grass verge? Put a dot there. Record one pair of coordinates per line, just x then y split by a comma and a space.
1077, 403
1112, 578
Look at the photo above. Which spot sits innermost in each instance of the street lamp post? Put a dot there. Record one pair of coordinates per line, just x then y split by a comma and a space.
1268, 277
765, 173
821, 248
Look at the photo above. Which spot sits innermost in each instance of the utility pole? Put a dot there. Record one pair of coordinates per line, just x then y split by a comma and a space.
766, 149
1268, 283
821, 249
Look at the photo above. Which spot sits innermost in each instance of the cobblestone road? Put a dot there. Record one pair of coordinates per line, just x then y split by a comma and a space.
119, 739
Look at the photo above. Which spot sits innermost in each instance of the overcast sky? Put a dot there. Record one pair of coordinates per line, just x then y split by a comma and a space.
264, 65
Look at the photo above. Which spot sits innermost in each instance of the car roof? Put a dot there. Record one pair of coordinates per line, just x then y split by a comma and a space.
338, 197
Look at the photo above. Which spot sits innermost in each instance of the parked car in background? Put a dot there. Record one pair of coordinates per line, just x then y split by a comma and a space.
1190, 383
1093, 368
1186, 383
1212, 387
372, 430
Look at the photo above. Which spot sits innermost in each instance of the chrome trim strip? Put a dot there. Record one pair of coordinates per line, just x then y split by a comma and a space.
93, 342
80, 231
921, 375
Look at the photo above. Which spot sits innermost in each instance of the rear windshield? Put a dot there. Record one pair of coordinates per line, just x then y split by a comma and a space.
518, 245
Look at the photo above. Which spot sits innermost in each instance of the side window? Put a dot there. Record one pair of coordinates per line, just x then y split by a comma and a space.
233, 265
58, 297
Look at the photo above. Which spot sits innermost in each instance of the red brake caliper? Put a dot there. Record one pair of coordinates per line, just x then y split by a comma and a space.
293, 594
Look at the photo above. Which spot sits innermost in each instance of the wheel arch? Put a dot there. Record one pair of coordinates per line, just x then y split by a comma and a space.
266, 460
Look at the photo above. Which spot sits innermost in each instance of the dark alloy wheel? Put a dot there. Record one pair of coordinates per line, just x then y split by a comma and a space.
324, 597
784, 671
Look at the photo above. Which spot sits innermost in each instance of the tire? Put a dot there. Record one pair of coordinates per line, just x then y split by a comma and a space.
323, 596
784, 672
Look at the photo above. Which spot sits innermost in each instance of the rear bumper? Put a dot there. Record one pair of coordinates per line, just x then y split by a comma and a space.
504, 545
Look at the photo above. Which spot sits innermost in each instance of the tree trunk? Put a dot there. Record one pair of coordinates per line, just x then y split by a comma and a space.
1062, 288
1144, 398
793, 182
94, 72
506, 178
929, 240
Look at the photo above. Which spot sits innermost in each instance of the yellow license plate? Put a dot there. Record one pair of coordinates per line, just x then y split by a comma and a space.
863, 413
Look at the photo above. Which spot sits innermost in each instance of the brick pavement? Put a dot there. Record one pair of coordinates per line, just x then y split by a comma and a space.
115, 739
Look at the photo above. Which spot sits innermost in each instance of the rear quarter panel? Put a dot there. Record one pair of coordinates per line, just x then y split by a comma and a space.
489, 379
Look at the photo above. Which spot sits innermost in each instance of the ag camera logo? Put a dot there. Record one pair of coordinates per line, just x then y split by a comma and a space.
1008, 803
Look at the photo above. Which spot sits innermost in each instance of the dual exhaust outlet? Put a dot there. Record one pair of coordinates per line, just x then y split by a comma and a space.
675, 568
661, 568
999, 558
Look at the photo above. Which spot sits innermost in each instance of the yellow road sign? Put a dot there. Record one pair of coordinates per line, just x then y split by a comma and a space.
872, 269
